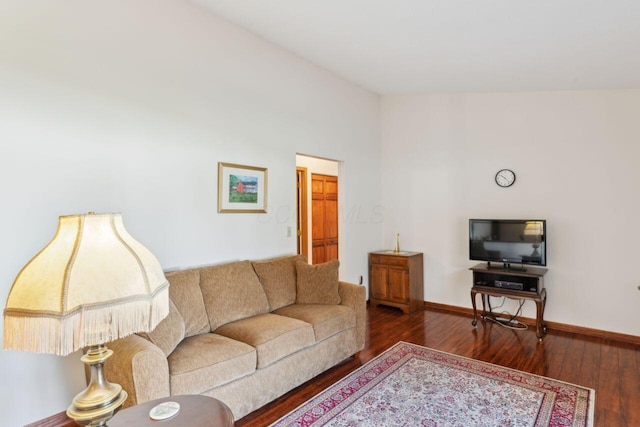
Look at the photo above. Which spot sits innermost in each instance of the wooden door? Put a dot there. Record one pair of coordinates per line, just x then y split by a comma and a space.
324, 218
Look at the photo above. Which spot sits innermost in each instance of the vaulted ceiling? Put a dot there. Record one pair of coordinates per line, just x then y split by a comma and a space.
424, 46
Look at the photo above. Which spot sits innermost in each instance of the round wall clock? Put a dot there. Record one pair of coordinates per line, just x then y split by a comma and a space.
505, 178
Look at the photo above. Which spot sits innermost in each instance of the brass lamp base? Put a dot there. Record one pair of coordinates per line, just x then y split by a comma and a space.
100, 400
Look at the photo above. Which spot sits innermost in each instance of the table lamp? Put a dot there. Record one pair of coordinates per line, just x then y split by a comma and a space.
93, 283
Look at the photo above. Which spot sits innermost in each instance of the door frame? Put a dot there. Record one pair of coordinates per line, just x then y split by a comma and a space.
302, 220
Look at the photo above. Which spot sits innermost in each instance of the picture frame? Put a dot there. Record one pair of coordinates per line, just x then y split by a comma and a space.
241, 188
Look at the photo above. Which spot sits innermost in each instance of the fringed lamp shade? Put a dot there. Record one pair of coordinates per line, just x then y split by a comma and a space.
93, 283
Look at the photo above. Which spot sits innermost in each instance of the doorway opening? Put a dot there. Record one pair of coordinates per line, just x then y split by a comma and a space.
317, 210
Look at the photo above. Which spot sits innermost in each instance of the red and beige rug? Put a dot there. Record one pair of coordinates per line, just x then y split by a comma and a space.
410, 385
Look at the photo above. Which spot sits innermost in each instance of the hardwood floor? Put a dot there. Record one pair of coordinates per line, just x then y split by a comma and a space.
611, 368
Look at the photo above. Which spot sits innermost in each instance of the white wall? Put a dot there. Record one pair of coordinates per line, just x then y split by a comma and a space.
128, 106
576, 159
317, 165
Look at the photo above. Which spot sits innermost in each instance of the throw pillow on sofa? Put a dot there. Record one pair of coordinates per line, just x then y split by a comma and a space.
184, 291
317, 284
278, 278
231, 292
169, 332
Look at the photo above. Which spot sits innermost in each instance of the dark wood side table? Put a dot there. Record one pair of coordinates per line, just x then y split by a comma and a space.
195, 410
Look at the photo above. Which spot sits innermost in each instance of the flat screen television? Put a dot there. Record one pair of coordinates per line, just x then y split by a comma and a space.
508, 241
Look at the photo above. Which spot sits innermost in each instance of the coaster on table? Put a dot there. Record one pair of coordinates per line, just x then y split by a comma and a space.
164, 410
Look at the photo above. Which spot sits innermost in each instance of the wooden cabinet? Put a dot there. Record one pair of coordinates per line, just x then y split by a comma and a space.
396, 280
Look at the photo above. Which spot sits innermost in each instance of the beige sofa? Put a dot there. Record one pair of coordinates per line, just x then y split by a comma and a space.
243, 332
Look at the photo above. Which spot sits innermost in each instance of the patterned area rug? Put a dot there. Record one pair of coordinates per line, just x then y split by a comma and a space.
410, 385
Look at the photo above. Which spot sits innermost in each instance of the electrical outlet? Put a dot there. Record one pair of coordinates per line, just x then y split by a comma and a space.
289, 231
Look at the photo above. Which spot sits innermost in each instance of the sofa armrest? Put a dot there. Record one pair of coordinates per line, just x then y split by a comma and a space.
140, 367
355, 296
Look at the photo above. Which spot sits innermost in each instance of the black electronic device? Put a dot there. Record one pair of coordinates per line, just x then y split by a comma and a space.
508, 241
506, 281
505, 284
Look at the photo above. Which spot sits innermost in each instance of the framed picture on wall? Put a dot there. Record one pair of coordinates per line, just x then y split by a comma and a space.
241, 189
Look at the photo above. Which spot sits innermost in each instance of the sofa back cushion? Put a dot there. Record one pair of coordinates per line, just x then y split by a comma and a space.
278, 278
184, 291
169, 332
232, 292
317, 284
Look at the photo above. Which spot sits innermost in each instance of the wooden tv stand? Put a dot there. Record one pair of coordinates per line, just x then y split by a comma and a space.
527, 284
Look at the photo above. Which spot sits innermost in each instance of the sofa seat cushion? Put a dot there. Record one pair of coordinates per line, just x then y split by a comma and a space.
327, 320
274, 337
202, 362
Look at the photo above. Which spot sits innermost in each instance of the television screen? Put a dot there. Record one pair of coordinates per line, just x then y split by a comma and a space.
508, 241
